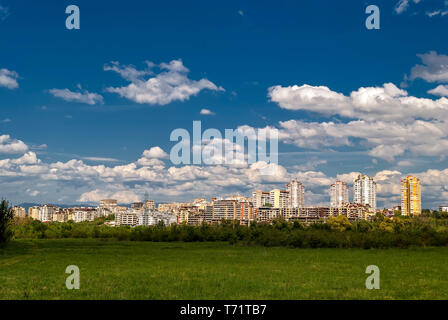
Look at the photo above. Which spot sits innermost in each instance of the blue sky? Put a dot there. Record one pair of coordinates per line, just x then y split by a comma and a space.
241, 48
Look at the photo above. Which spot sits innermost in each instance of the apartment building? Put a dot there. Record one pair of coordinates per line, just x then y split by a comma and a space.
364, 191
19, 212
411, 202
279, 198
260, 198
45, 213
314, 214
296, 191
339, 194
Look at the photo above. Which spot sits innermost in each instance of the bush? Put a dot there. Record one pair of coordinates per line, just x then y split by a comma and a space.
6, 217
338, 232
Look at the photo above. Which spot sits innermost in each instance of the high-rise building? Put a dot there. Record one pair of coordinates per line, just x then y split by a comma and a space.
46, 213
296, 194
33, 212
411, 197
149, 204
19, 212
279, 198
338, 194
109, 204
260, 198
137, 205
364, 191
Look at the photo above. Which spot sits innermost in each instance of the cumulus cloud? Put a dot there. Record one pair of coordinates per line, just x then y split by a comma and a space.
81, 97
385, 140
369, 103
11, 146
171, 84
384, 121
207, 112
127, 183
8, 79
440, 90
155, 153
433, 69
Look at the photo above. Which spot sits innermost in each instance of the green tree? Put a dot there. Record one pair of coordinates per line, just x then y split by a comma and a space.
339, 223
6, 217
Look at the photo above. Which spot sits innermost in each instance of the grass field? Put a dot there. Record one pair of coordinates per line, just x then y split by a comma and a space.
35, 269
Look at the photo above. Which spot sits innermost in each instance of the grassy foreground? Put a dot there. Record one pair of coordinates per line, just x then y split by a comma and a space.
35, 269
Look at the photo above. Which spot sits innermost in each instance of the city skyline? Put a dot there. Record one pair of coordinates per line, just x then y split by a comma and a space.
72, 130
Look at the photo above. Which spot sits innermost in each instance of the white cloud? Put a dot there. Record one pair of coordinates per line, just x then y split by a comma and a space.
402, 6
440, 90
6, 120
101, 159
81, 97
11, 146
433, 69
155, 153
32, 193
122, 196
207, 112
433, 13
127, 183
368, 103
171, 84
386, 140
8, 79
241, 12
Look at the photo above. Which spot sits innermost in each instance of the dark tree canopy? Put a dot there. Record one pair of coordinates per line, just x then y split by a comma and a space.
6, 217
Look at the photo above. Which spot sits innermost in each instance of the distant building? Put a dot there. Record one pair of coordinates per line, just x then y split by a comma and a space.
443, 208
126, 218
110, 204
242, 211
221, 210
19, 212
411, 202
33, 212
339, 194
296, 192
364, 191
137, 205
260, 198
314, 214
150, 218
46, 213
279, 198
150, 205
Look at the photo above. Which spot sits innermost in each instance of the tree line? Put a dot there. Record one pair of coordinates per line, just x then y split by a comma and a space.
430, 229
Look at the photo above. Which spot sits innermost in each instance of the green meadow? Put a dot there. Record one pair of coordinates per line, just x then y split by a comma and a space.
109, 269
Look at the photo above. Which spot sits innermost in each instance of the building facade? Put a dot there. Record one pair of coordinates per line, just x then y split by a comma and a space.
296, 192
411, 197
279, 198
364, 191
339, 194
260, 198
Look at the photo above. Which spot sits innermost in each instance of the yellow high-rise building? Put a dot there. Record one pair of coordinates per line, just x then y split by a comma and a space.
411, 196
